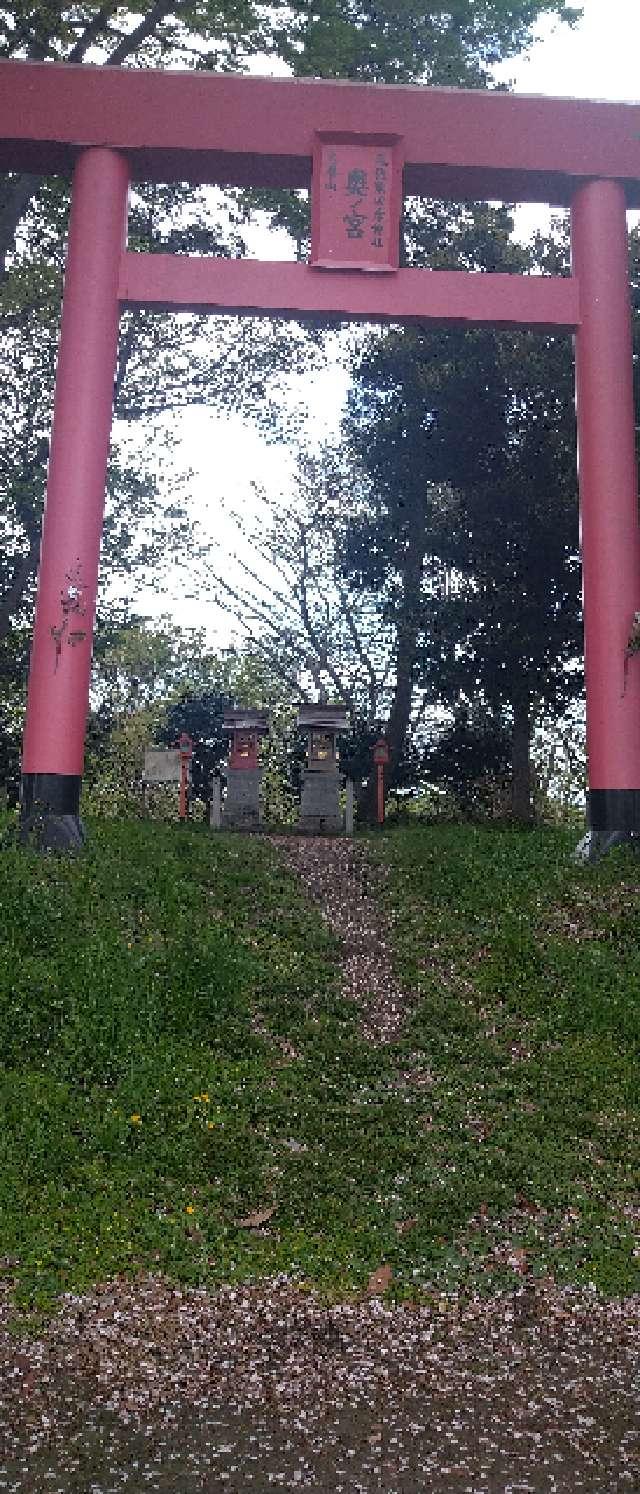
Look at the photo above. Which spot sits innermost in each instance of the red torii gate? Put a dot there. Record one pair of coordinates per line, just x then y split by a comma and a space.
111, 125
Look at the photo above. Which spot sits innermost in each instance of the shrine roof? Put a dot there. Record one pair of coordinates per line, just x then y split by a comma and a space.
246, 718
329, 716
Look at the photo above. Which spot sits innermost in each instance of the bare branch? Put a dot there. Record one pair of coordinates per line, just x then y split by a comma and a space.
95, 26
146, 28
24, 572
17, 196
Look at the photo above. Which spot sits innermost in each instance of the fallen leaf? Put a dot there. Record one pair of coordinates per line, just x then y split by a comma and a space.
518, 1261
253, 1221
526, 1204
403, 1225
379, 1281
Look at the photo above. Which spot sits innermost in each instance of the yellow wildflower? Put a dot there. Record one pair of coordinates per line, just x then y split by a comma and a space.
190, 1209
136, 1120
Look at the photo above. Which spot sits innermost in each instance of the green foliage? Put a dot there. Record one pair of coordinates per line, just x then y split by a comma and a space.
201, 717
113, 765
388, 41
227, 30
150, 683
396, 42
469, 438
470, 533
471, 759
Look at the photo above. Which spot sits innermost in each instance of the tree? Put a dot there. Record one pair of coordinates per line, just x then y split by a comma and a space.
289, 593
164, 364
150, 683
470, 760
469, 441
201, 717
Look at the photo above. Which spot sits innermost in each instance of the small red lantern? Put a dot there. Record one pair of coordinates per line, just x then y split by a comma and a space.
245, 727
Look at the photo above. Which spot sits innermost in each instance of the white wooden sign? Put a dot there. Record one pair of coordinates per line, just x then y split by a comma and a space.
161, 765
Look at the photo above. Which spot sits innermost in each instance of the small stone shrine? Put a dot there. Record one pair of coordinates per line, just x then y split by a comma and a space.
241, 809
320, 807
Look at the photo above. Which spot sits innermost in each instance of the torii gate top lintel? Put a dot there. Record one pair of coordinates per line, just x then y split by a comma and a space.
235, 130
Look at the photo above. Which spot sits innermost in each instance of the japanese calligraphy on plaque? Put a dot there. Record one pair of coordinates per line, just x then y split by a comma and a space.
356, 202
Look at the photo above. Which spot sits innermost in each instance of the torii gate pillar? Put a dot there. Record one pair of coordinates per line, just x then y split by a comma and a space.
610, 533
53, 751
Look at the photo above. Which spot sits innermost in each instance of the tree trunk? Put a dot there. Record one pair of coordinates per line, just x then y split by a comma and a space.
15, 200
366, 799
407, 635
24, 572
400, 713
521, 761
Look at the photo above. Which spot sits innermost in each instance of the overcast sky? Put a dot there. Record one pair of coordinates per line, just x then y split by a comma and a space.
600, 58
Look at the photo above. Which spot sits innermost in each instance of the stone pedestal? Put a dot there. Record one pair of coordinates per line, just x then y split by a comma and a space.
320, 807
320, 804
241, 809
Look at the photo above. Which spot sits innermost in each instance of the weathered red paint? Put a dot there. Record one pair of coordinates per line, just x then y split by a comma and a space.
178, 281
260, 131
72, 526
608, 483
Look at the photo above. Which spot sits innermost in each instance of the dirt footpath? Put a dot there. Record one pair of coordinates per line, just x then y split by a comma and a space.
144, 1386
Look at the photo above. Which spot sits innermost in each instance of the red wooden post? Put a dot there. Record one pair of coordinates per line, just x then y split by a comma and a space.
186, 753
609, 503
381, 756
53, 751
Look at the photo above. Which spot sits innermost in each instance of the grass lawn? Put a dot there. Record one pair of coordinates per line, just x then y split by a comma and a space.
184, 1090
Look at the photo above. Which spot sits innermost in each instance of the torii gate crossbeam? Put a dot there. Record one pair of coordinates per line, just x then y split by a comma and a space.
111, 125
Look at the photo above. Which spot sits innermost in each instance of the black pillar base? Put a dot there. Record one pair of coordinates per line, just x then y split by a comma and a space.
614, 820
50, 812
614, 809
